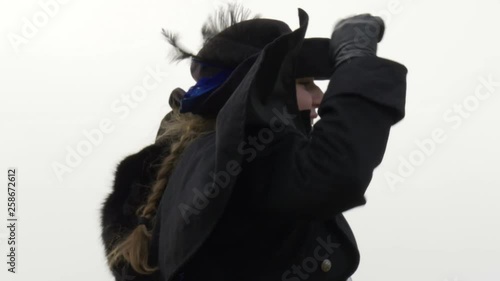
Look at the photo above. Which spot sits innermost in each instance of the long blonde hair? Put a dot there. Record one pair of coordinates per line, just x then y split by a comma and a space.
179, 131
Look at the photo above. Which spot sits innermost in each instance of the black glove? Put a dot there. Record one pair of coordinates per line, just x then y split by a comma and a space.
356, 36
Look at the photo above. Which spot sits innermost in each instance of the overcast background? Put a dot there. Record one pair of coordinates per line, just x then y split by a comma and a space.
65, 68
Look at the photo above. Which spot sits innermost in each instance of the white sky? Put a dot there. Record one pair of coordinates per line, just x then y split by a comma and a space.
439, 222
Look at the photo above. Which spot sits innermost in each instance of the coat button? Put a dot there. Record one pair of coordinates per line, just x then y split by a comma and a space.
326, 265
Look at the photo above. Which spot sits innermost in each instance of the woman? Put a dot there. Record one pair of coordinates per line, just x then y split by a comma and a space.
239, 184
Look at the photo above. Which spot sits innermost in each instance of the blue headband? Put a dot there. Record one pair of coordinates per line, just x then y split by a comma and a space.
202, 88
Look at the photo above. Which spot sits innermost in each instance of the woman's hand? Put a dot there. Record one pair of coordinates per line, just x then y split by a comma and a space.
356, 36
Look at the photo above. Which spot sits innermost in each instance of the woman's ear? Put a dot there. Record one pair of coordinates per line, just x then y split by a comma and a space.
175, 98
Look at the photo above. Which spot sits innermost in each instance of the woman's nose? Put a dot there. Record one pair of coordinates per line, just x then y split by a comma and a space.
317, 98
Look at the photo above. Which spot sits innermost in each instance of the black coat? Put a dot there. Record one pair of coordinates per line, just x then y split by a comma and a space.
273, 210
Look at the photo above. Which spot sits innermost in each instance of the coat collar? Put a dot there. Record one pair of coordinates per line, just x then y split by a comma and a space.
266, 90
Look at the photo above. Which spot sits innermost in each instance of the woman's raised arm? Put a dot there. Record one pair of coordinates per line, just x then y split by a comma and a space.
330, 172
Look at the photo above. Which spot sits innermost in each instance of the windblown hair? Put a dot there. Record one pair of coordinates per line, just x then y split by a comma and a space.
216, 23
178, 131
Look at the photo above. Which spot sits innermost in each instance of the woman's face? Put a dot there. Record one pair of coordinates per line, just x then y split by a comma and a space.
309, 95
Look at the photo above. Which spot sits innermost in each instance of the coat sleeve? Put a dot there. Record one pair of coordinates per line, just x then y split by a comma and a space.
329, 172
